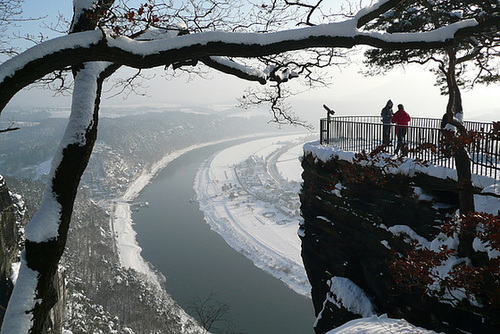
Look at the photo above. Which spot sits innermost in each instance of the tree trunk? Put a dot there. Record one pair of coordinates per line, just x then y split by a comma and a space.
462, 161
43, 250
42, 256
466, 200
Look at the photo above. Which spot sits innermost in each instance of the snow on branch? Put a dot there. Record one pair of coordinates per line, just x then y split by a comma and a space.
367, 14
100, 45
231, 67
270, 73
45, 224
23, 298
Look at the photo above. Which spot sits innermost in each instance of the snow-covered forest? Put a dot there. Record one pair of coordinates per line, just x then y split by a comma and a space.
271, 43
101, 265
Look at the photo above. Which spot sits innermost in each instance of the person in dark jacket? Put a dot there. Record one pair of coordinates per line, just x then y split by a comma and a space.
386, 120
401, 118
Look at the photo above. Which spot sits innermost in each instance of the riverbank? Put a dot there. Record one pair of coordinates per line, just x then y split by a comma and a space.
255, 206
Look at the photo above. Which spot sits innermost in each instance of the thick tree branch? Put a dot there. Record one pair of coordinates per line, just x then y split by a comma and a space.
76, 48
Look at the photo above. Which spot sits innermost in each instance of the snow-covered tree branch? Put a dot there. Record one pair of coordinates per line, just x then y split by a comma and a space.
101, 45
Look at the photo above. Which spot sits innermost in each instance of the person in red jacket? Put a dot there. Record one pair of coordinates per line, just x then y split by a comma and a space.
401, 118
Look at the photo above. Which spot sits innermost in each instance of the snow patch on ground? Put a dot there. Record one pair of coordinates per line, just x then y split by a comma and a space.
408, 167
379, 325
350, 296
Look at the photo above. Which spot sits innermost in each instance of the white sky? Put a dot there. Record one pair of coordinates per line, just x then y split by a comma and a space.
350, 93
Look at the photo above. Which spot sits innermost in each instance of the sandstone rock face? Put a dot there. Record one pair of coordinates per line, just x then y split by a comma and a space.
350, 227
9, 241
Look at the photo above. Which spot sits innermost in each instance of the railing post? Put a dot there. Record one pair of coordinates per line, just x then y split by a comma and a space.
328, 120
324, 133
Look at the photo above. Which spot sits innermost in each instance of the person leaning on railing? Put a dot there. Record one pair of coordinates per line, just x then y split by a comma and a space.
401, 118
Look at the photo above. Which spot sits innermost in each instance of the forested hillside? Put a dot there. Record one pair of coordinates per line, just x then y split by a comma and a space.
101, 294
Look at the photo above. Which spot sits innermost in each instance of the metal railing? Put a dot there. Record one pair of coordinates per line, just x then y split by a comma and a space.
358, 133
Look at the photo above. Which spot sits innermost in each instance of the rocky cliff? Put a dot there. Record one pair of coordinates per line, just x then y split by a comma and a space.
9, 244
352, 219
12, 222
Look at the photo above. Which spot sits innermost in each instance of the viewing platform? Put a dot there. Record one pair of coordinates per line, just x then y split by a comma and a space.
364, 133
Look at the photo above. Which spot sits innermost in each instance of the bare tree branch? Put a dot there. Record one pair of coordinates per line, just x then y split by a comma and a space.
10, 128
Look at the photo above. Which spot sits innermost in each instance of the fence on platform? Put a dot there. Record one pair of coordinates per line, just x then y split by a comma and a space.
358, 133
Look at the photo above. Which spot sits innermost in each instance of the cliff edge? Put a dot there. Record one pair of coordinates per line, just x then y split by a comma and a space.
355, 220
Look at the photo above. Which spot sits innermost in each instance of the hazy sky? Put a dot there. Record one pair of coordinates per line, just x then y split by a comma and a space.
350, 93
